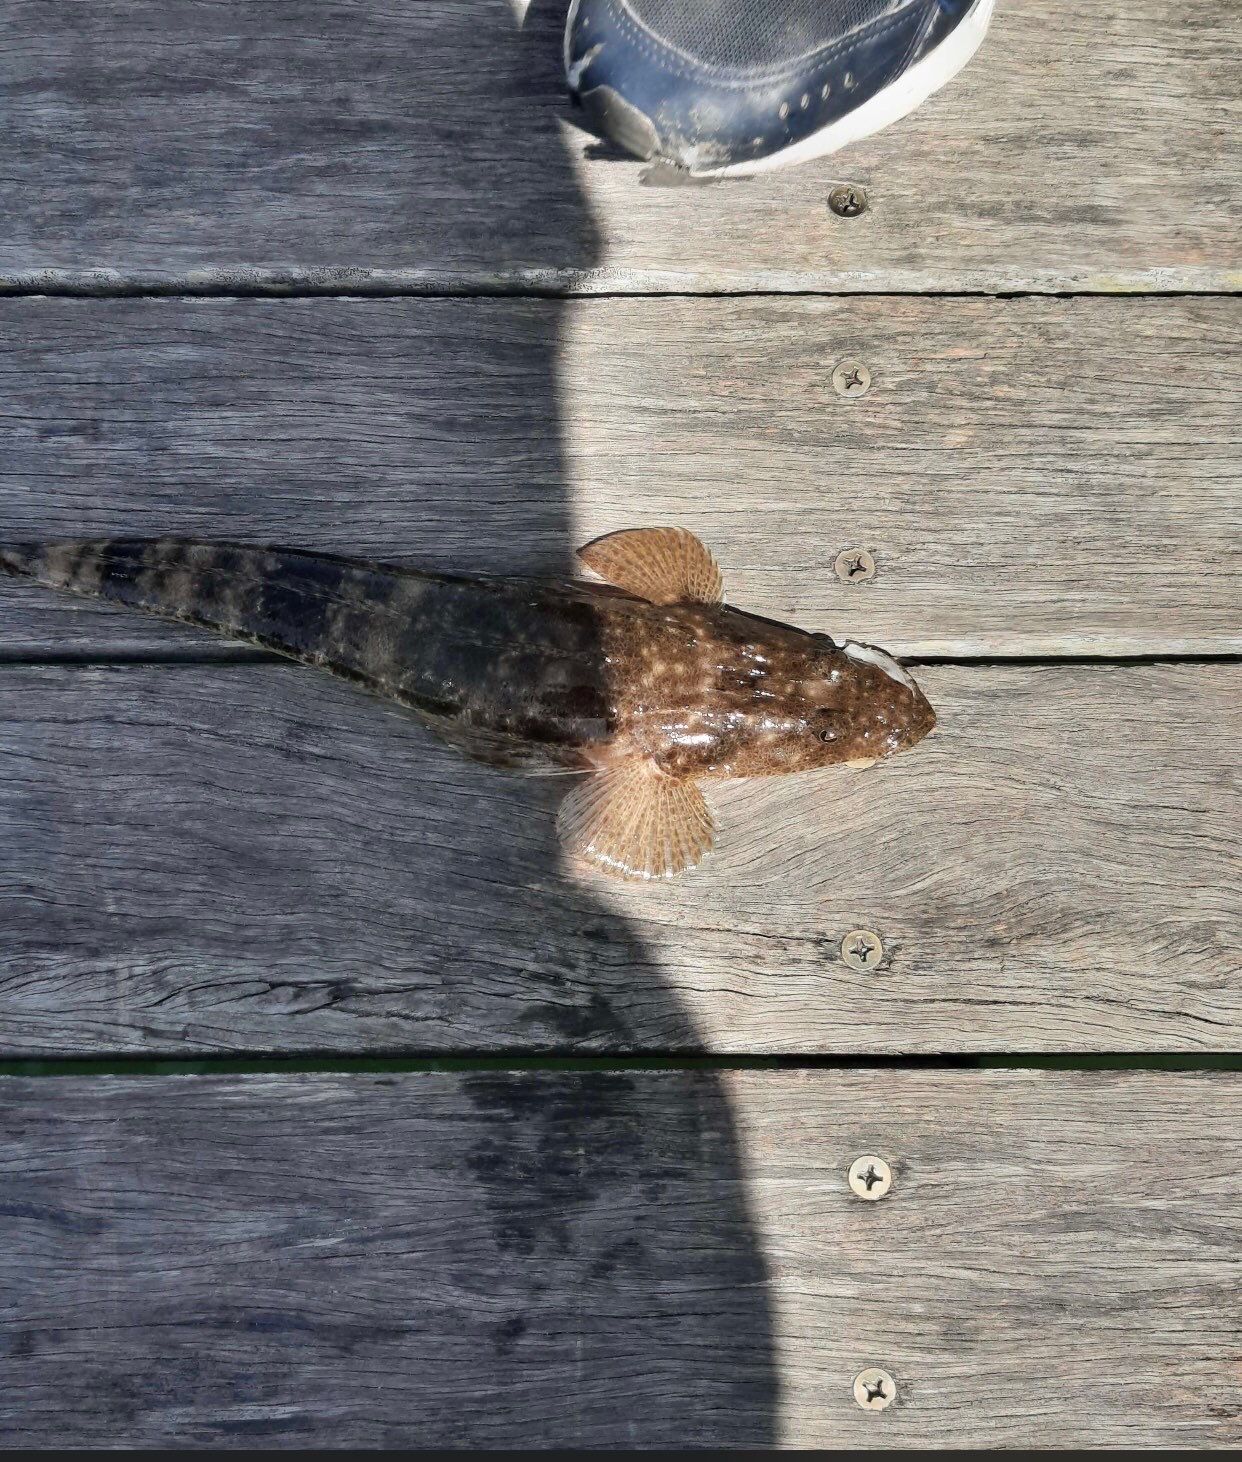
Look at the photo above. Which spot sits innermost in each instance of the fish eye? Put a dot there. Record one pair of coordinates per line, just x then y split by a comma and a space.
827, 734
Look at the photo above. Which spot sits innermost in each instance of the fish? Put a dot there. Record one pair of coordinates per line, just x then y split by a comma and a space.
640, 681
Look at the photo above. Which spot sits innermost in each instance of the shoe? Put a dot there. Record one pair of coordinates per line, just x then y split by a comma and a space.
729, 87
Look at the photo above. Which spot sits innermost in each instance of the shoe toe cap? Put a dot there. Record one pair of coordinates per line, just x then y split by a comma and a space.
657, 102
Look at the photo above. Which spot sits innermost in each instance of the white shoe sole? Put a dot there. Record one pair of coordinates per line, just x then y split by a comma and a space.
897, 100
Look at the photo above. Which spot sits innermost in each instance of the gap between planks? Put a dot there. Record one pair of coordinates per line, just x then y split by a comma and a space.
231, 653
413, 1065
381, 284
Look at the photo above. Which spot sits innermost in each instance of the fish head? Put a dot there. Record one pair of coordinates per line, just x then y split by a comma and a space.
862, 705
756, 698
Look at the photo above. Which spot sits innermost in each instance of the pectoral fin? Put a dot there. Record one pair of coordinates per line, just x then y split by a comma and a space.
664, 565
636, 822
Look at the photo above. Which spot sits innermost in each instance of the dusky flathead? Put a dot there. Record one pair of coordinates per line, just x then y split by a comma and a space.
646, 683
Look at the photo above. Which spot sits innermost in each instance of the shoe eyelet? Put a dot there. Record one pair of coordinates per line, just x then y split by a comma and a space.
826, 90
784, 110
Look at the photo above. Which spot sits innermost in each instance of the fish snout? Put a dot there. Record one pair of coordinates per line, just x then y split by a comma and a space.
901, 715
899, 720
921, 718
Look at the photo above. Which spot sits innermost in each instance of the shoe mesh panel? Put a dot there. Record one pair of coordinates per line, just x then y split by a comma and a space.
754, 33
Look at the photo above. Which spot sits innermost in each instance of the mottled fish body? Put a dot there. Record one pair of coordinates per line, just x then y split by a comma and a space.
515, 662
645, 681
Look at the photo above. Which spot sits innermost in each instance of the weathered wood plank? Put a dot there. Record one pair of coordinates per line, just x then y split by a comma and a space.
367, 145
257, 858
625, 1259
1032, 476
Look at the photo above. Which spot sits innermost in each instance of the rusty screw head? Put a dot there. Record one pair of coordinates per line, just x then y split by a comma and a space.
848, 201
874, 1389
862, 949
854, 566
870, 1177
851, 378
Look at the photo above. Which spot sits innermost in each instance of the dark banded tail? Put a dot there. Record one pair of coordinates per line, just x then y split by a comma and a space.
339, 613
20, 559
504, 669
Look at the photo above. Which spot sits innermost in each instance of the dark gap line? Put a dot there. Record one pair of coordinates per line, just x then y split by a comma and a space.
242, 655
524, 1062
275, 289
199, 656
1154, 657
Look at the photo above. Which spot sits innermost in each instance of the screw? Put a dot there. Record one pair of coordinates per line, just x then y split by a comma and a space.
870, 1177
848, 201
874, 1389
854, 566
851, 378
861, 949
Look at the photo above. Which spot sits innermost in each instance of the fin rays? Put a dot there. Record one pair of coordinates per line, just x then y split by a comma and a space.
636, 822
662, 565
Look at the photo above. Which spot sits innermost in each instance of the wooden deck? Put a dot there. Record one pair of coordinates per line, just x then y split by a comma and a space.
610, 1259
343, 276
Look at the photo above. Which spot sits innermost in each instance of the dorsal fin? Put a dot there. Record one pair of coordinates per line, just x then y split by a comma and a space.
664, 565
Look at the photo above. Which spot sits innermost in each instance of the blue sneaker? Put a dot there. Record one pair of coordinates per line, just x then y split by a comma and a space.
727, 87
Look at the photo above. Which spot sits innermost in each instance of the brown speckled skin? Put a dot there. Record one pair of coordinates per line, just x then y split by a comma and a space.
523, 672
709, 691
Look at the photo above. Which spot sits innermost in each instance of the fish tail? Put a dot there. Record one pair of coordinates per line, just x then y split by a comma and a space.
176, 578
20, 559
310, 606
73, 566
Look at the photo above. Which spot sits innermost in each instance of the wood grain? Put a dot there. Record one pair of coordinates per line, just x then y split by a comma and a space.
321, 144
242, 858
619, 1259
260, 859
1032, 476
